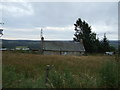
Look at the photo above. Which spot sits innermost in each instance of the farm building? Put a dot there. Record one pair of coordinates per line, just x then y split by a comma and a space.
62, 48
22, 48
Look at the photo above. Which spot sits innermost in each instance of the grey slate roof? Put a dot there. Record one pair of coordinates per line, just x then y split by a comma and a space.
63, 46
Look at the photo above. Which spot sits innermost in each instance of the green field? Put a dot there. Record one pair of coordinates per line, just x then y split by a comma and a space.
21, 70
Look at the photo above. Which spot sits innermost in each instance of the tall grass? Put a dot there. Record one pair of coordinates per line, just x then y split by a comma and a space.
61, 80
12, 79
28, 71
35, 64
110, 74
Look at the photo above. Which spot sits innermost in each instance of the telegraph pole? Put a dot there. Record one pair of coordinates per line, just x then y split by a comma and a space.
42, 41
41, 35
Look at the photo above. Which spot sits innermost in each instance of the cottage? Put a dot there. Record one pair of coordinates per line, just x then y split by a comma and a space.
62, 48
3, 49
22, 48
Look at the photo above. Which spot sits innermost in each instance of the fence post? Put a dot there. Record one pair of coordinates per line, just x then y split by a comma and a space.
47, 73
47, 70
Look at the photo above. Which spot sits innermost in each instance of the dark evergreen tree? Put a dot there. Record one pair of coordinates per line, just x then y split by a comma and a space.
91, 43
83, 31
105, 44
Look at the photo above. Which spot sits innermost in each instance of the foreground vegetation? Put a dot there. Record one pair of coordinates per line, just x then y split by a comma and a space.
22, 70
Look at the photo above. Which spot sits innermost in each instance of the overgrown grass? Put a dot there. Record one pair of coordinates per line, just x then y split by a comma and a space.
28, 71
110, 74
12, 79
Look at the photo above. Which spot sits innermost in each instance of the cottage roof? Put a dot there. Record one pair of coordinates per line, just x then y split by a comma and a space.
63, 46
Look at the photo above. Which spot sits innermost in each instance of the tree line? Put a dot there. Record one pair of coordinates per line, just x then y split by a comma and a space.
90, 40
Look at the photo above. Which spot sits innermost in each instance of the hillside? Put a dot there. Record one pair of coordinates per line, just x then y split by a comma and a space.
114, 43
35, 44
10, 44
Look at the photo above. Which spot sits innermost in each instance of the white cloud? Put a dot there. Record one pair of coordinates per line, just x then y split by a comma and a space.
17, 9
103, 28
19, 29
55, 33
49, 33
62, 0
57, 19
13, 0
70, 27
111, 31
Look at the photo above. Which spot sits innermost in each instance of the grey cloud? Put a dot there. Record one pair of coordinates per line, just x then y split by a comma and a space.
64, 14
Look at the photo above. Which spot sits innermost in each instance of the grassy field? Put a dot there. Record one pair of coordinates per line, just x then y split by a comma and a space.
29, 71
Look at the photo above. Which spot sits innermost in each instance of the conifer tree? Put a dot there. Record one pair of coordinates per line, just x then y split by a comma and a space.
83, 31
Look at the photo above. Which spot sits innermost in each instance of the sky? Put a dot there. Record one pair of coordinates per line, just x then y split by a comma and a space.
24, 20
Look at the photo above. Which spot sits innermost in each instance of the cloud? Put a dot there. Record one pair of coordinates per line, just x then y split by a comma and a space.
61, 0
57, 18
13, 0
49, 33
19, 29
104, 29
69, 27
16, 9
59, 33
111, 31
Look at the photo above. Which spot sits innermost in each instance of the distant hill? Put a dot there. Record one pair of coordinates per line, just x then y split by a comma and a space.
10, 44
35, 44
114, 43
